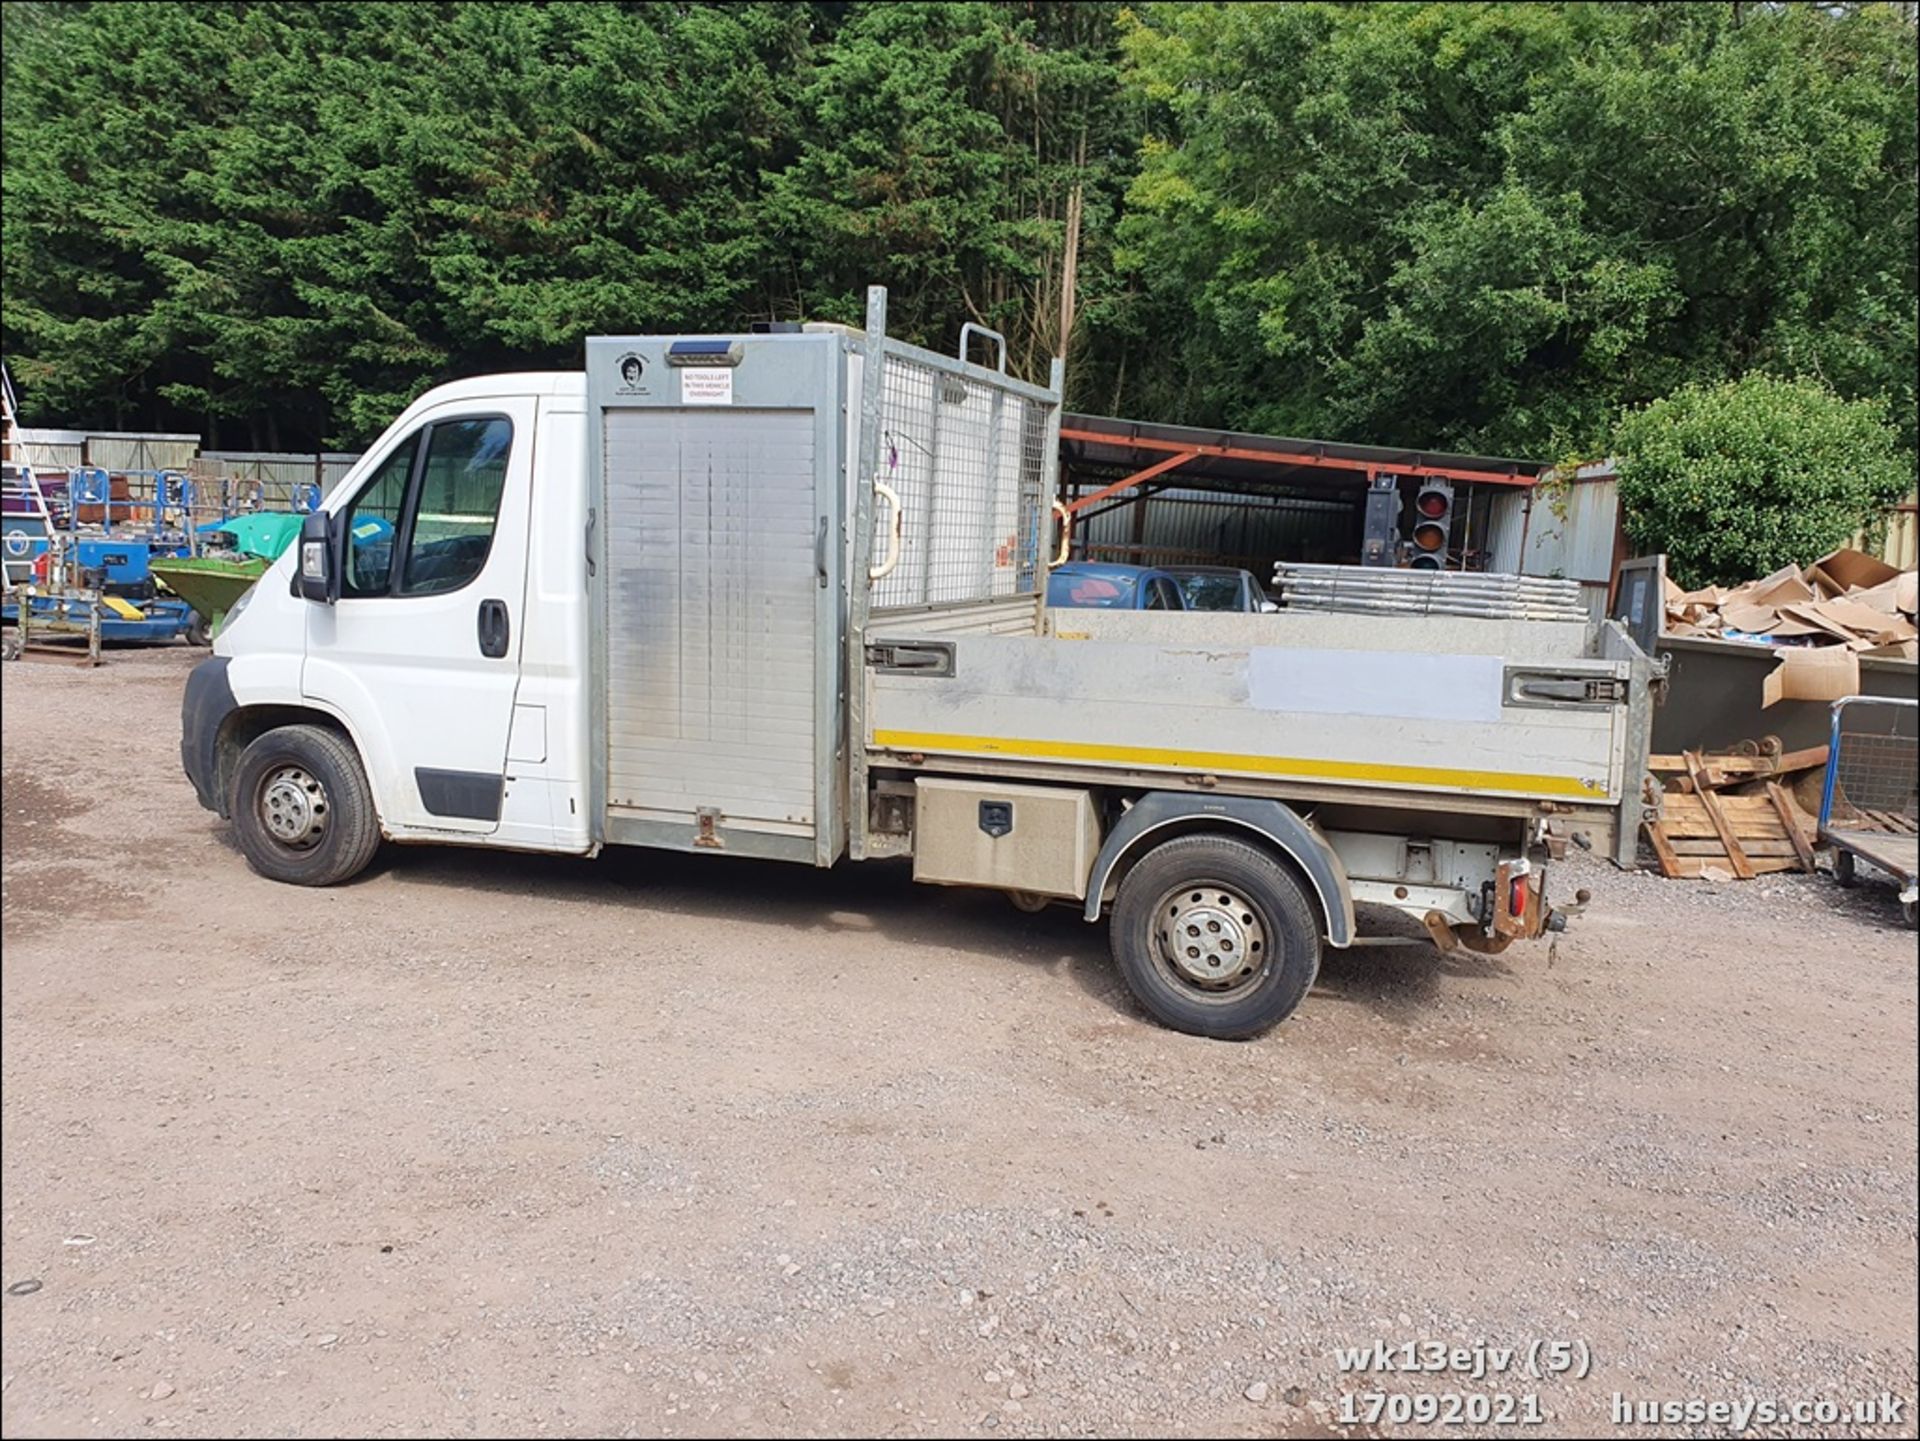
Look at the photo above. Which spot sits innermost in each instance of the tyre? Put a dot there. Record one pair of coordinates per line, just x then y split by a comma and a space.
1843, 868
1215, 937
301, 808
198, 631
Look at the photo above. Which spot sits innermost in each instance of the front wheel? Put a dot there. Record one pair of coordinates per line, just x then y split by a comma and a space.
301, 807
1215, 937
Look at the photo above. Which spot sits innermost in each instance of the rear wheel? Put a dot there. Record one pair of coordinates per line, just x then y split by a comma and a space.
301, 808
1215, 937
198, 631
1843, 871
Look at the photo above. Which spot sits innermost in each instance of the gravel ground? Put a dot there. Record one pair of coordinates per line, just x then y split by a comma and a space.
660, 1145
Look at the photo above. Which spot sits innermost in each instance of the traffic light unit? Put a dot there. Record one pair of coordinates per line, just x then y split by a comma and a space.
1432, 525
1427, 535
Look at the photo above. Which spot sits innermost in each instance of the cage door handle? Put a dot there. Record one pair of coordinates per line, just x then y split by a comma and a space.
969, 330
895, 530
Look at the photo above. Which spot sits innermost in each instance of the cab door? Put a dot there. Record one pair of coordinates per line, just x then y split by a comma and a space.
421, 652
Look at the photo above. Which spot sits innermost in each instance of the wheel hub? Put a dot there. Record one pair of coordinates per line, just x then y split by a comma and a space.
293, 807
1210, 937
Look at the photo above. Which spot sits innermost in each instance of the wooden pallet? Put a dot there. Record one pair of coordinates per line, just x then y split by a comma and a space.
1742, 835
1704, 823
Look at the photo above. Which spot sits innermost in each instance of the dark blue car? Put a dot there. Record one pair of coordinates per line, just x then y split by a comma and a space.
1088, 585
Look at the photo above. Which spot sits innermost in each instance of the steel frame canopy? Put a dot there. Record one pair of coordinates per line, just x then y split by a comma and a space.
1235, 460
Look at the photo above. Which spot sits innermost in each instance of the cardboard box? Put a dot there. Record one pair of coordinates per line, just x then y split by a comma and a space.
1844, 569
1786, 586
1827, 672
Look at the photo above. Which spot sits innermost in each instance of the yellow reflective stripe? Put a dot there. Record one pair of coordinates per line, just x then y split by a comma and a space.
1291, 767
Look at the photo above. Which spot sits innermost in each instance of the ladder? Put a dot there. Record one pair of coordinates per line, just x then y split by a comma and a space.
8, 427
26, 522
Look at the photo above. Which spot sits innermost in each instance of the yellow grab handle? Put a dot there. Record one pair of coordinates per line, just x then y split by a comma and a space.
894, 533
1066, 531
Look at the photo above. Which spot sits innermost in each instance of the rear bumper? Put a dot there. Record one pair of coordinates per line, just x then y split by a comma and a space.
204, 708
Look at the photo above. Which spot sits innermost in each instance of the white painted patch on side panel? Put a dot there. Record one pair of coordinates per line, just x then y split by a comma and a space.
1403, 685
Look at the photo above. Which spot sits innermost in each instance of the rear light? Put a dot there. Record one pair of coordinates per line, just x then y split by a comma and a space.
1518, 897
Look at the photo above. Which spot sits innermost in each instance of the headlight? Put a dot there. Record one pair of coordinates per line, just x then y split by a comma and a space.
246, 599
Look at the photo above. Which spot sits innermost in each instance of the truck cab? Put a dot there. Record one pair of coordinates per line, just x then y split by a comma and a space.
450, 634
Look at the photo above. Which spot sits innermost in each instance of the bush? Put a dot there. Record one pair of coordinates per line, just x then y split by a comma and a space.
1735, 480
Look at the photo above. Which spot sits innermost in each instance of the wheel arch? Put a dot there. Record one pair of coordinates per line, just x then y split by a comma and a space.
246, 724
1276, 828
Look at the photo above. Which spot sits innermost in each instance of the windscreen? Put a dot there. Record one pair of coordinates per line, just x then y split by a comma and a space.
1211, 592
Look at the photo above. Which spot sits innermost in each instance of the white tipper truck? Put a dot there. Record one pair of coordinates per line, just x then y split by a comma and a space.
782, 596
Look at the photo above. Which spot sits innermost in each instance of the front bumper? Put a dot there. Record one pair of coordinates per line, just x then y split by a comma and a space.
204, 708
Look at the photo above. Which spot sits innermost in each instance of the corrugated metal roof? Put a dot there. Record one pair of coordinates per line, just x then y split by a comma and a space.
1238, 459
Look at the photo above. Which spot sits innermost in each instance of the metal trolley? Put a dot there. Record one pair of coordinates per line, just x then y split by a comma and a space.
1870, 804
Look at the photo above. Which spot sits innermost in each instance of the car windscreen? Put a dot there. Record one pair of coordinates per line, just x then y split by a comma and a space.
1211, 592
1082, 591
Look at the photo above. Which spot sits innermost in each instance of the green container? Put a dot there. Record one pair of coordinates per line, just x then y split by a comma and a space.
209, 584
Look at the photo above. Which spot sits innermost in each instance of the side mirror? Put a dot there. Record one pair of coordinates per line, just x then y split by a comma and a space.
319, 575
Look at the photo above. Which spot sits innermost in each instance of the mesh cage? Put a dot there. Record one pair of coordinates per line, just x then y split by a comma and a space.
967, 457
1872, 784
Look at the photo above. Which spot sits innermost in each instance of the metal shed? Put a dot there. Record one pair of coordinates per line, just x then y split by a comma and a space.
1169, 495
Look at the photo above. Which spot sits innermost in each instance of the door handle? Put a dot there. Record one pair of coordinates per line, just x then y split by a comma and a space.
493, 628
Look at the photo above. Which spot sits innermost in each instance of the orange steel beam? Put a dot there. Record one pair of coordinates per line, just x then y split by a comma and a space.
1159, 467
1188, 451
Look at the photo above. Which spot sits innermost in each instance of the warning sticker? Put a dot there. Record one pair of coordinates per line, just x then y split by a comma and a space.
706, 385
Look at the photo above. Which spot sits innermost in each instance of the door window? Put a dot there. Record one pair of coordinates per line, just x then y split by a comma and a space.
424, 523
373, 519
457, 503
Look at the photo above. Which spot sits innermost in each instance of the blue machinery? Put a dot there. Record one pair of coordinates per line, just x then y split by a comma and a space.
73, 584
